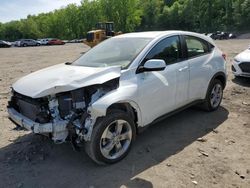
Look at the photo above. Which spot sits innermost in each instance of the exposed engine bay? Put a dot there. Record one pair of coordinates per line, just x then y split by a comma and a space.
66, 114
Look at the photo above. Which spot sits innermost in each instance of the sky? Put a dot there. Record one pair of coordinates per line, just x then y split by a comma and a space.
18, 9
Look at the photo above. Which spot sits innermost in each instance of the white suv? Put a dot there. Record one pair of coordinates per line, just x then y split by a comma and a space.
125, 83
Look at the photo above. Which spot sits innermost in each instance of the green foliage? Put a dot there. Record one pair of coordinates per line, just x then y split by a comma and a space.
123, 13
132, 15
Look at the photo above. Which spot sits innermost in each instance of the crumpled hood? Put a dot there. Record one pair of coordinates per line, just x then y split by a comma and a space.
61, 78
244, 56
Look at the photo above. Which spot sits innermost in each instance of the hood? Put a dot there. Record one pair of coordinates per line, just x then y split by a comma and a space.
244, 56
62, 78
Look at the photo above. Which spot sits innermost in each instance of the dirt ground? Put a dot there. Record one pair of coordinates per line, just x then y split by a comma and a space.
190, 149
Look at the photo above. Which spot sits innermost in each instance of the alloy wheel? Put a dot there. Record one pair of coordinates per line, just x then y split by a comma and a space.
116, 139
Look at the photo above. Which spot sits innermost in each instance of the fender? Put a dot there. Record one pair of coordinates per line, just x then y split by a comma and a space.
124, 94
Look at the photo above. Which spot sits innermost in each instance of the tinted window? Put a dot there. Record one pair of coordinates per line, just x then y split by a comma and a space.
168, 50
196, 46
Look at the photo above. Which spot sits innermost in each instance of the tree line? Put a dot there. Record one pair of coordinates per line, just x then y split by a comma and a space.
74, 21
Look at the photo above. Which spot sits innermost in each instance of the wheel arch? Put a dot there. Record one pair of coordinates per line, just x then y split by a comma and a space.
127, 106
131, 110
220, 76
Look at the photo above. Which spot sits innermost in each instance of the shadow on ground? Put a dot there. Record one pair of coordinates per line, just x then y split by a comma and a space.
242, 81
34, 161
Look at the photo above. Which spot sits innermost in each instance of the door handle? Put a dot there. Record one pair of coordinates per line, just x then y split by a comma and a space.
183, 68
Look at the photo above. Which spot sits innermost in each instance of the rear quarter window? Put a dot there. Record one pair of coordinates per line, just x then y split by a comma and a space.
197, 46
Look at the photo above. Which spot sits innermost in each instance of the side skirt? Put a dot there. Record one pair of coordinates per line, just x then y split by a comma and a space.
163, 117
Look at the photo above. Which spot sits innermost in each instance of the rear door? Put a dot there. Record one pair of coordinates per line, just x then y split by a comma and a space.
199, 57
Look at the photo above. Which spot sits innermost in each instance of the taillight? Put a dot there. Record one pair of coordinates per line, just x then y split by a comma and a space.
224, 56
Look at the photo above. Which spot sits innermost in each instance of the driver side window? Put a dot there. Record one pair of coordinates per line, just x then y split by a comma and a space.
168, 50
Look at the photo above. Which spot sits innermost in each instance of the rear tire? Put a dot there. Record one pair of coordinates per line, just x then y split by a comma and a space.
214, 96
112, 138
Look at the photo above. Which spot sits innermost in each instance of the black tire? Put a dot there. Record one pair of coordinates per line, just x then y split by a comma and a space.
24, 45
92, 147
207, 104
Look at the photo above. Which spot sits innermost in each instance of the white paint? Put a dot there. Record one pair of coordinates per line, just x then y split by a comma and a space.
61, 78
240, 58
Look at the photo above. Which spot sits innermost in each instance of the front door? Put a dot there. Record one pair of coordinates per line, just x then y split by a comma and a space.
157, 90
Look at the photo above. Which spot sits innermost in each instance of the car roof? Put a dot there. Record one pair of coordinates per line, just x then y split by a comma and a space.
159, 34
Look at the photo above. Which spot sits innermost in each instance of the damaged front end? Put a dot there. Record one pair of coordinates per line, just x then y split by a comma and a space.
62, 116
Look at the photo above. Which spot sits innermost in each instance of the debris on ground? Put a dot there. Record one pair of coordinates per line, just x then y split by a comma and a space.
230, 142
201, 140
192, 176
195, 182
215, 131
203, 152
245, 103
236, 92
239, 174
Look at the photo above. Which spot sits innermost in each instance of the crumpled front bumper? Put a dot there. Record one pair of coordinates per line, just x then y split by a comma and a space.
58, 128
29, 124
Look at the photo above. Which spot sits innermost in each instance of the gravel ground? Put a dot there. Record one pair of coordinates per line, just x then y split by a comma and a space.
190, 149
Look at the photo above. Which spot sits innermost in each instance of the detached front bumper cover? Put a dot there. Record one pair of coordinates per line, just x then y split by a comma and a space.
29, 124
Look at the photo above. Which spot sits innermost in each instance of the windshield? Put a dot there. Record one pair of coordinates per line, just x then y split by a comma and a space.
113, 52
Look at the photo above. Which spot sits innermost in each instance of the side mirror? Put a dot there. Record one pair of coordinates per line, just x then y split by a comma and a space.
152, 65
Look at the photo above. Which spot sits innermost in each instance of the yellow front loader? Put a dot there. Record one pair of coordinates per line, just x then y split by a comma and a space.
103, 31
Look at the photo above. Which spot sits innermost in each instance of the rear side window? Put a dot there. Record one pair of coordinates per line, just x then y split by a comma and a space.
196, 46
168, 50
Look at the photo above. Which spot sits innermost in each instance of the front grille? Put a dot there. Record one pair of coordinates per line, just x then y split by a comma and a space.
34, 109
245, 67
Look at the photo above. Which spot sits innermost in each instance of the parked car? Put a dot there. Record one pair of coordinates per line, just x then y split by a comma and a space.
219, 35
4, 44
27, 42
117, 88
17, 42
232, 36
55, 42
75, 41
44, 41
241, 64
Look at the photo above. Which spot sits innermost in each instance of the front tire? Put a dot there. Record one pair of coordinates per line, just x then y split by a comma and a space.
214, 96
112, 138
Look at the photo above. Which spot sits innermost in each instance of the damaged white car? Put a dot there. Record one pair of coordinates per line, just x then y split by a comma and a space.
123, 84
